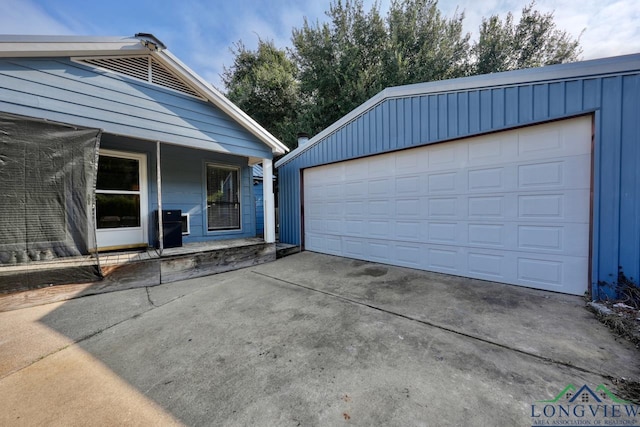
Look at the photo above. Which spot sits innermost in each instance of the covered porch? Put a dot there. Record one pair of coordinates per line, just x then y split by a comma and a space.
137, 268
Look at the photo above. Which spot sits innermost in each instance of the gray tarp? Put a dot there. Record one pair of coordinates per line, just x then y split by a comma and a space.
47, 185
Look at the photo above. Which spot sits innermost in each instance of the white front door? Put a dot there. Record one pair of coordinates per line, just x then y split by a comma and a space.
121, 200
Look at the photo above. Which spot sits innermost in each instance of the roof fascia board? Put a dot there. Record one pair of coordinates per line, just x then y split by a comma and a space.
591, 68
40, 46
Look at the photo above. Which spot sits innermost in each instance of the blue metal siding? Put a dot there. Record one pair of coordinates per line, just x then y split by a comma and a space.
62, 90
614, 100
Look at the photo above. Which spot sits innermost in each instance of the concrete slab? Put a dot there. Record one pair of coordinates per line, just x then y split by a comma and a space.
549, 325
25, 339
310, 340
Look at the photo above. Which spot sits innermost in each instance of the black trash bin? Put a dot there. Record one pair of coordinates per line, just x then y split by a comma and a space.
171, 228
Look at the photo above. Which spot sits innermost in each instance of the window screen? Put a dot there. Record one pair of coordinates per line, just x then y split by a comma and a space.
223, 198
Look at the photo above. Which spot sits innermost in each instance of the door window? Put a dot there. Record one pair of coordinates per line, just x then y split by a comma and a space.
223, 198
118, 193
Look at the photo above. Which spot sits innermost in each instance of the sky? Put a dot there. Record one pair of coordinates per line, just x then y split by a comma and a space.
201, 33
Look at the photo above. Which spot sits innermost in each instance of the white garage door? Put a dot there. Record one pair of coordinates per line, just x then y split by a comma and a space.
509, 207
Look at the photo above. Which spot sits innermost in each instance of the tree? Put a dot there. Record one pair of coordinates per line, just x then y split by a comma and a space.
424, 45
533, 42
337, 65
263, 84
340, 61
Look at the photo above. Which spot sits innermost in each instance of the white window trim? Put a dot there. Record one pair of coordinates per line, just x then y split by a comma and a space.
186, 215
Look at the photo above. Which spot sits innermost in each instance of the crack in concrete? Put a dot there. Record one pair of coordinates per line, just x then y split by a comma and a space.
146, 288
443, 328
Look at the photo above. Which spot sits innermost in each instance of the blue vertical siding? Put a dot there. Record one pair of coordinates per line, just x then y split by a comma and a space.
435, 116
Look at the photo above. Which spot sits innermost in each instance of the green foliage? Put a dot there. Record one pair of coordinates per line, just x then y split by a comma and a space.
533, 42
424, 45
340, 62
263, 84
336, 65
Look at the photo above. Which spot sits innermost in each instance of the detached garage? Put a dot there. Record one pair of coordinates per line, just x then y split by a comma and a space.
527, 178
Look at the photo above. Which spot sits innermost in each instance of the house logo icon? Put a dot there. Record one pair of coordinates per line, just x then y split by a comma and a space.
585, 395
585, 406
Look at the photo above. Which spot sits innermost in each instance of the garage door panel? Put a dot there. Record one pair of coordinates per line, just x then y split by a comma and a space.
511, 207
443, 259
354, 248
355, 208
355, 227
566, 206
492, 235
443, 232
487, 150
572, 172
379, 208
444, 182
443, 207
408, 255
380, 251
488, 179
380, 186
445, 157
408, 231
355, 189
564, 274
567, 239
408, 208
379, 229
485, 265
408, 185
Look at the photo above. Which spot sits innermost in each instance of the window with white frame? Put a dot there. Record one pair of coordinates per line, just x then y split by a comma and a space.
223, 197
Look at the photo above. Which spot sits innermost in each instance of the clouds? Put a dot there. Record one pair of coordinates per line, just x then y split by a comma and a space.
610, 27
27, 17
200, 32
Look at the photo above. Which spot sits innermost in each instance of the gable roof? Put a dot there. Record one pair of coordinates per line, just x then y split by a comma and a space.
19, 46
590, 68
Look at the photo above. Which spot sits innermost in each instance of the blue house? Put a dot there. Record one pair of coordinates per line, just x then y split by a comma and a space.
527, 177
122, 124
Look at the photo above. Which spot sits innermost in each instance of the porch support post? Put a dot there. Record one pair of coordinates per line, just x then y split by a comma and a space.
159, 185
268, 201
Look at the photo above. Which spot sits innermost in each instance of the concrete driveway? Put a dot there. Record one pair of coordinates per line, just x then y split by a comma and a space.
307, 340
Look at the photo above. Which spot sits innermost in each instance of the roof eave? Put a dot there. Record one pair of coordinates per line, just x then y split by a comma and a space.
580, 69
19, 46
42, 46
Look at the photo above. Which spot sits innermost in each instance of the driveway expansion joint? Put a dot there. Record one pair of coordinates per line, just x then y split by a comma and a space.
443, 328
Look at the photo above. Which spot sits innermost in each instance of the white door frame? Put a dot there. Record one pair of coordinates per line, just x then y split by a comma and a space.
130, 236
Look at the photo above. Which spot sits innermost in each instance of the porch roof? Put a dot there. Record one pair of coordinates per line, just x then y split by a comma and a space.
20, 46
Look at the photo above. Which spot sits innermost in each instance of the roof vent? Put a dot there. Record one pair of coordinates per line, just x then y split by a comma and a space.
303, 139
143, 68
